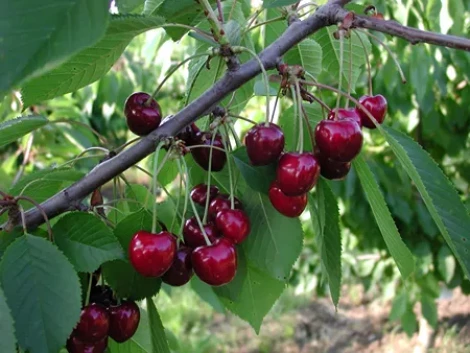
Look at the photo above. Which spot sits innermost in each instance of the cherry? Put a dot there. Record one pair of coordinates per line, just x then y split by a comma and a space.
93, 325
152, 254
74, 345
264, 143
201, 154
190, 135
124, 320
102, 295
339, 140
345, 113
181, 270
233, 224
215, 264
193, 236
222, 202
199, 193
142, 118
332, 170
297, 173
377, 107
289, 206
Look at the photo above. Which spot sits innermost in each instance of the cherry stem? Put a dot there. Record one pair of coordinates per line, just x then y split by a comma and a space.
88, 292
369, 69
186, 194
325, 107
309, 126
231, 10
177, 205
44, 215
23, 220
242, 118
206, 238
130, 142
351, 98
234, 133
272, 20
350, 70
206, 206
400, 71
275, 104
296, 114
79, 123
172, 71
299, 112
155, 187
266, 80
221, 13
253, 18
225, 140
205, 146
340, 80
79, 159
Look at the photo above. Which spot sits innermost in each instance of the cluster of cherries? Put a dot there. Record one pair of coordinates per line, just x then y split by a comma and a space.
101, 319
209, 250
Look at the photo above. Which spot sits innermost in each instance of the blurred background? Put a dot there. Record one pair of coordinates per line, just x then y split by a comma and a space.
377, 312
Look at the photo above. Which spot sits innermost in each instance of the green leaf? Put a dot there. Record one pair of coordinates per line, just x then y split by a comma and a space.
86, 241
399, 305
43, 293
182, 12
120, 274
330, 239
90, 64
12, 130
7, 330
308, 54
429, 310
258, 294
158, 337
39, 35
258, 178
331, 54
207, 294
408, 321
400, 253
438, 194
150, 6
275, 241
277, 3
446, 263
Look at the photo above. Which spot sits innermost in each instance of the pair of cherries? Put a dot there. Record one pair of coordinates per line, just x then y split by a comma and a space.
98, 322
296, 174
339, 137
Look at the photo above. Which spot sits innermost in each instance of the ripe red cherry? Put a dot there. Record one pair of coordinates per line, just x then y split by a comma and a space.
201, 154
190, 135
233, 224
142, 118
339, 140
345, 113
215, 264
297, 173
199, 193
181, 270
332, 170
152, 254
193, 236
221, 202
264, 143
74, 345
93, 325
376, 105
289, 206
124, 320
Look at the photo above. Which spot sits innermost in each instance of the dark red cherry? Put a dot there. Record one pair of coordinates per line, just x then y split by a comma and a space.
124, 320
289, 206
152, 254
215, 264
221, 202
345, 113
142, 118
190, 135
264, 143
102, 295
332, 170
193, 236
201, 154
339, 140
74, 345
377, 106
93, 325
297, 173
233, 224
181, 270
199, 193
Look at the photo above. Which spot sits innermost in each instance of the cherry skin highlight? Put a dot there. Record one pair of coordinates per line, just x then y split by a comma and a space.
152, 254
199, 193
193, 236
264, 144
215, 264
181, 270
297, 173
142, 118
93, 325
377, 107
124, 320
289, 206
345, 113
233, 224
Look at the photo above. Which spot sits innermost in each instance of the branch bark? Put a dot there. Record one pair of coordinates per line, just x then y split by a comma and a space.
329, 14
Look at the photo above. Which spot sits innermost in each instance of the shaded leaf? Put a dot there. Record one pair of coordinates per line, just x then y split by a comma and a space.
7, 330
157, 332
12, 130
429, 310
